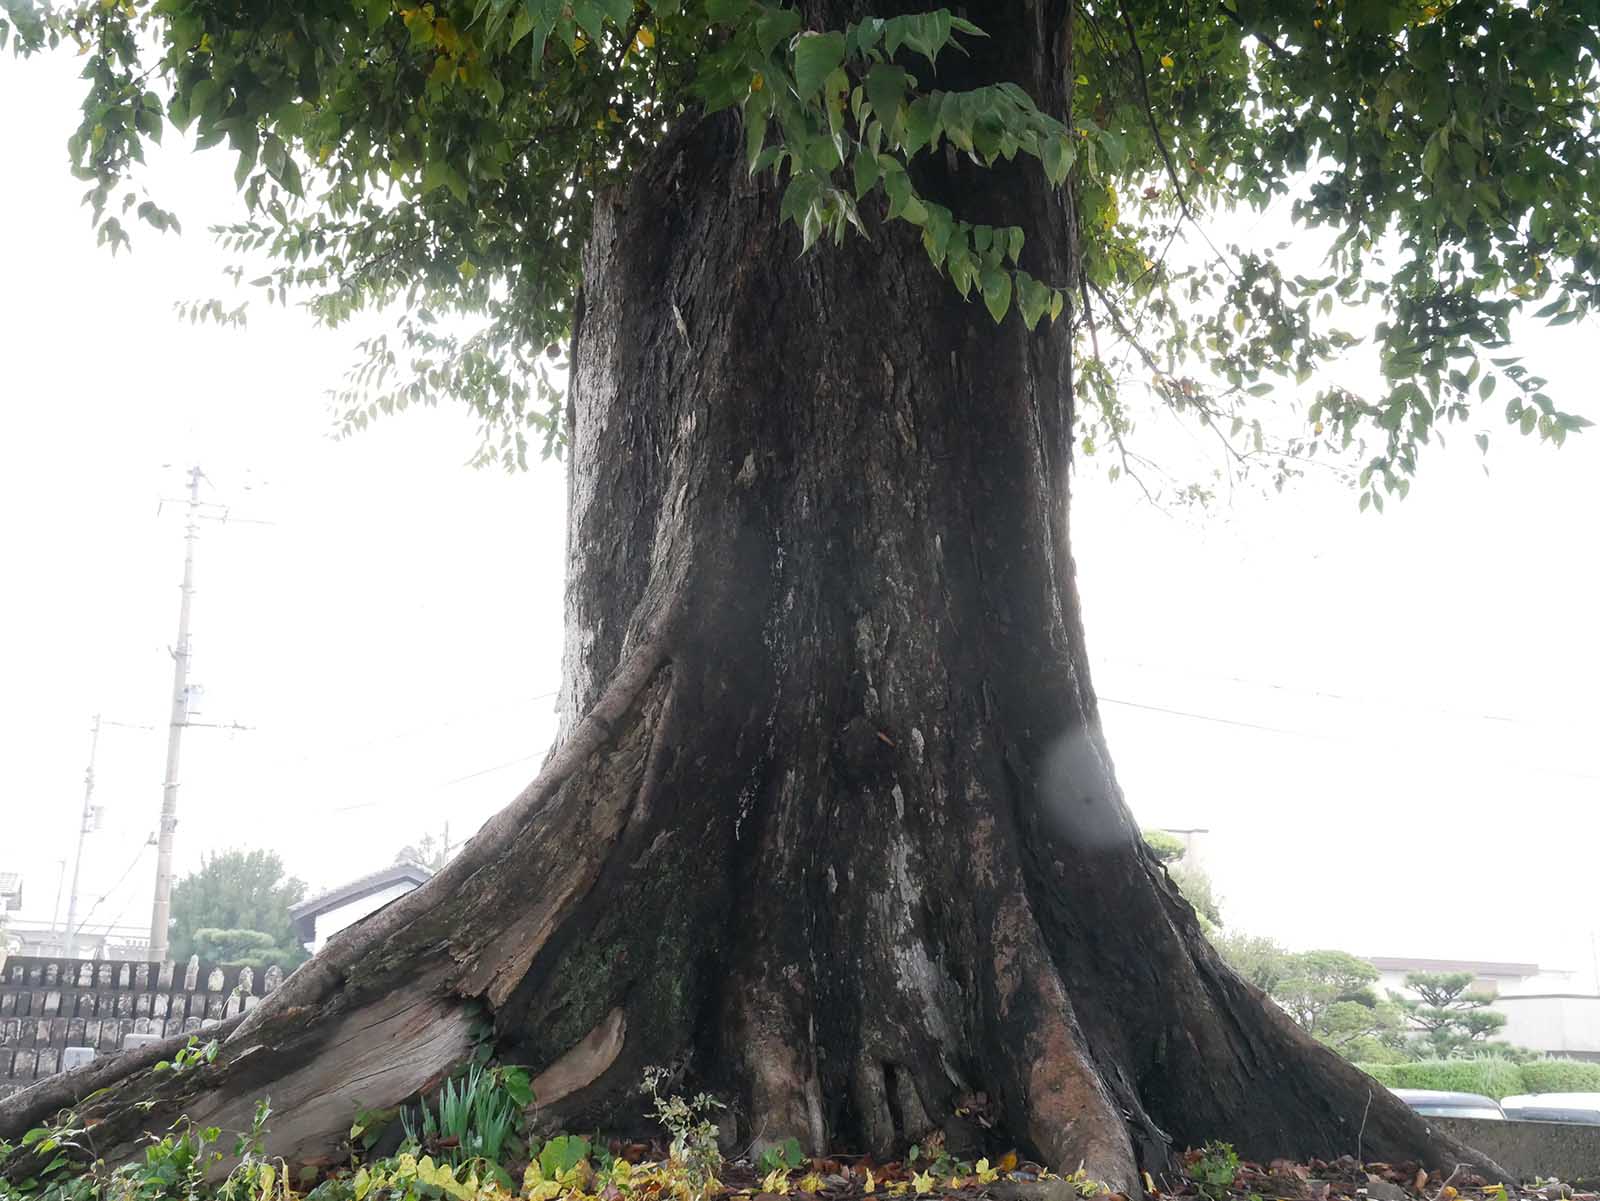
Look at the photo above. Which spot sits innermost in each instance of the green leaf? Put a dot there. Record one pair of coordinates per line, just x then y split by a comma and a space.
438, 173
867, 173
798, 197
775, 25
1057, 154
936, 233
922, 124
816, 56
589, 17
517, 1086
886, 86
996, 286
561, 1154
755, 137
1033, 299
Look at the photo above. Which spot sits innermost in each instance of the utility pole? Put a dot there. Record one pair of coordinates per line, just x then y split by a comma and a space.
162, 910
88, 825
69, 947
55, 911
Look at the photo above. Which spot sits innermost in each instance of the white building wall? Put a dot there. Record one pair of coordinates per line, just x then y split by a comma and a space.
1554, 1025
330, 923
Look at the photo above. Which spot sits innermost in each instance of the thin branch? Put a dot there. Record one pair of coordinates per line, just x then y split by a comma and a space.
1088, 314
1213, 416
1161, 143
1277, 51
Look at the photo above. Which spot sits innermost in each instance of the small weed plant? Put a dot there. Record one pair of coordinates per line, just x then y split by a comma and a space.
1215, 1170
475, 1120
785, 1158
190, 1056
693, 1152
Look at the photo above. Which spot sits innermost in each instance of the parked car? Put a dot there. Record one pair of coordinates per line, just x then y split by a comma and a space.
1580, 1108
1434, 1104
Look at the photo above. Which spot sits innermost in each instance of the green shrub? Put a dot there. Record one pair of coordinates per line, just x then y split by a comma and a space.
1560, 1076
1383, 1073
1491, 1077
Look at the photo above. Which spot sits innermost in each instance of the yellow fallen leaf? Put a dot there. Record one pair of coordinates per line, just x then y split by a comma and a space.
1008, 1162
646, 38
923, 1183
1166, 61
872, 1181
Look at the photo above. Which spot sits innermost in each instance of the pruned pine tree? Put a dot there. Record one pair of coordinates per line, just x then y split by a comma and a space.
844, 285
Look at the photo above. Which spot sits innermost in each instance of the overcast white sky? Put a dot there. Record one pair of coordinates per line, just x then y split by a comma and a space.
1388, 725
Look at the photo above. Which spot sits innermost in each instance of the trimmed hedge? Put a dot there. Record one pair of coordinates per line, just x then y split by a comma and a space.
1383, 1073
1560, 1076
1491, 1077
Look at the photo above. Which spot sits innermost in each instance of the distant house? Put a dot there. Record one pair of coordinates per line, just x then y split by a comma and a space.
1545, 1010
116, 941
319, 918
10, 898
1492, 978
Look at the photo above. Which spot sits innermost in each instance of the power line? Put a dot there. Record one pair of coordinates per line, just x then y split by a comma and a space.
1221, 721
455, 716
443, 784
138, 855
1191, 715
1324, 694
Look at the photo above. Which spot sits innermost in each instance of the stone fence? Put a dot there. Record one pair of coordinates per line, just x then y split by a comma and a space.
1533, 1150
57, 1013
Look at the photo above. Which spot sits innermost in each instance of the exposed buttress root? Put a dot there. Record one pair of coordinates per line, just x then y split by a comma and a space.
389, 1007
859, 1028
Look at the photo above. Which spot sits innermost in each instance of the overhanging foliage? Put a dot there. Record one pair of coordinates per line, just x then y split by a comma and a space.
446, 157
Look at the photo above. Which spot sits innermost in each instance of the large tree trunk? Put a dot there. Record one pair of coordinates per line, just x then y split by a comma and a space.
832, 823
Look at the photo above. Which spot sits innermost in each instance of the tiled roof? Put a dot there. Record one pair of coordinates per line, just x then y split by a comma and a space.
395, 873
1477, 967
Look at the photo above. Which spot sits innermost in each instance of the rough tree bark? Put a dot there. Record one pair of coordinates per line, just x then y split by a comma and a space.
832, 821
